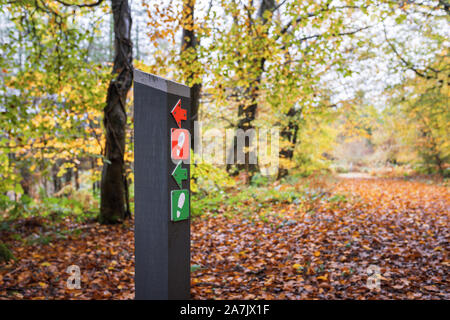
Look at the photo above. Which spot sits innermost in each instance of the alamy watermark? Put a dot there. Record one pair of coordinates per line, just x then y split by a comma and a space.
221, 146
374, 278
74, 281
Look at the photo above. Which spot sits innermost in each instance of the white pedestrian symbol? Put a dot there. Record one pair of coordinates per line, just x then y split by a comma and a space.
180, 143
181, 200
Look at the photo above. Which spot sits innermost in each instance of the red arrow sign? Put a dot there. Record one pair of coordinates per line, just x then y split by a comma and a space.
178, 113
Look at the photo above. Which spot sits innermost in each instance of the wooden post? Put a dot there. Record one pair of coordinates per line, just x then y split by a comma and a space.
162, 188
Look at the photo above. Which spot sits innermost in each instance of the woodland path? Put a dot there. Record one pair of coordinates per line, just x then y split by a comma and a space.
299, 250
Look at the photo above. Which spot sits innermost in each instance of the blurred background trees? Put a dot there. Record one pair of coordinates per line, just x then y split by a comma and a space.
351, 85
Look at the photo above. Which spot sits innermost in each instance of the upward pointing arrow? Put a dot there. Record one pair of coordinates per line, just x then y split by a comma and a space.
179, 174
178, 113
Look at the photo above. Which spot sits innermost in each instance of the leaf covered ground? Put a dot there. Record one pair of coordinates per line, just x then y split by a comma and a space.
318, 243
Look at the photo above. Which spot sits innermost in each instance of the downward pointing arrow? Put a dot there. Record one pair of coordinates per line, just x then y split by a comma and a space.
178, 113
179, 174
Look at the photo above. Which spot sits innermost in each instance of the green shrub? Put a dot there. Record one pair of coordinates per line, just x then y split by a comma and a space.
259, 180
79, 205
5, 253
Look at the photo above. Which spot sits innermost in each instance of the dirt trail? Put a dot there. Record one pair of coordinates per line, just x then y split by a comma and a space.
355, 175
395, 228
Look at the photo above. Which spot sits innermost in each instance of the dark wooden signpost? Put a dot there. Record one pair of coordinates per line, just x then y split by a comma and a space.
162, 202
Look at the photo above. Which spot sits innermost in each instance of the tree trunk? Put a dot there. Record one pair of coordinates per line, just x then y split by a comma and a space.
68, 177
247, 113
56, 180
289, 133
77, 177
95, 182
113, 205
27, 179
189, 42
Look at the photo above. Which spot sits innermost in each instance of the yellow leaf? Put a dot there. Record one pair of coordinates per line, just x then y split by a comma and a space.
324, 278
317, 253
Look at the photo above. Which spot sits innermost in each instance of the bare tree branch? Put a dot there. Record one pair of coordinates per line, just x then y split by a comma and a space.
315, 14
407, 63
80, 5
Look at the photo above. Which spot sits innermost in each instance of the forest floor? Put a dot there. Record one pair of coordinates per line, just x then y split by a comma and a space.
364, 232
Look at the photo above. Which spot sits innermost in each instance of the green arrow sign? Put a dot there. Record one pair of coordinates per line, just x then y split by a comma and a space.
179, 205
179, 174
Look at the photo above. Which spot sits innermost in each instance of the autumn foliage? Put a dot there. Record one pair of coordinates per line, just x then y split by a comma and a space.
358, 90
315, 247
